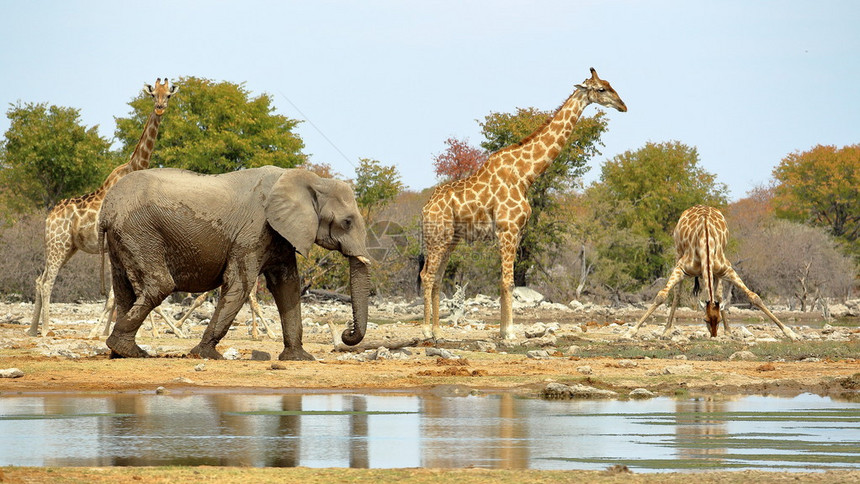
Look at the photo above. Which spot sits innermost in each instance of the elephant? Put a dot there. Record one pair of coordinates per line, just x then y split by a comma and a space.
170, 230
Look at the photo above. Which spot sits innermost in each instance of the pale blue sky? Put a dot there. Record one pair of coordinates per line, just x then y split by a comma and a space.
745, 82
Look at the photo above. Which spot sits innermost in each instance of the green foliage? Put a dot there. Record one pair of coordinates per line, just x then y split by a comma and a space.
376, 185
636, 204
215, 127
545, 230
47, 155
822, 187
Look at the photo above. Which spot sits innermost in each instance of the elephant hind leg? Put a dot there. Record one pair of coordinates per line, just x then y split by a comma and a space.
131, 312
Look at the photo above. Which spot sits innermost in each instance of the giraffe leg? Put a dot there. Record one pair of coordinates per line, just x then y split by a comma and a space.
174, 325
732, 276
508, 241
198, 301
676, 277
56, 258
438, 249
106, 316
255, 310
675, 299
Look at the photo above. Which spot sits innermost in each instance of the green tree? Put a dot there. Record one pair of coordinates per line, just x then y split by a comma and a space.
821, 187
638, 201
545, 229
375, 186
215, 127
48, 155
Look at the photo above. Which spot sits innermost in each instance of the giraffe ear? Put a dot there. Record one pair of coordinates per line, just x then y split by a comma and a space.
173, 89
147, 89
291, 209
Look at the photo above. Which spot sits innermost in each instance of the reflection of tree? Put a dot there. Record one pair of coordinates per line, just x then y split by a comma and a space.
697, 425
446, 420
358, 455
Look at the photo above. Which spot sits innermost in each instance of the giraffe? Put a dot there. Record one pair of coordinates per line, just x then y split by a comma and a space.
493, 201
700, 241
71, 225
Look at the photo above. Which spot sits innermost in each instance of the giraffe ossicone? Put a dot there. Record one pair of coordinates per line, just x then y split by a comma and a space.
494, 199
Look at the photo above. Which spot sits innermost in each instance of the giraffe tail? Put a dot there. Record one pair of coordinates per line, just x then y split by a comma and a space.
420, 268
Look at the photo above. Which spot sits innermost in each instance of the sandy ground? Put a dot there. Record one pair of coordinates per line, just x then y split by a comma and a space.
69, 360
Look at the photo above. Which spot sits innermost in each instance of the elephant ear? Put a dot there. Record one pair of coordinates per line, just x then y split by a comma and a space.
291, 209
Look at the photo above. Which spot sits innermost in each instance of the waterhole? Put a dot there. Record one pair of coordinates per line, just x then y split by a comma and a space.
382, 430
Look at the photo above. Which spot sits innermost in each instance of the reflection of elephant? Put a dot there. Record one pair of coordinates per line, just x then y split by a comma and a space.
173, 230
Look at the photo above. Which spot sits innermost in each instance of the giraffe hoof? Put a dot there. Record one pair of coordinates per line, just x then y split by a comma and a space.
32, 332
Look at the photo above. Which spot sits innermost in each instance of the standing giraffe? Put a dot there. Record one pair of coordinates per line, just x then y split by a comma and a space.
494, 199
71, 225
700, 241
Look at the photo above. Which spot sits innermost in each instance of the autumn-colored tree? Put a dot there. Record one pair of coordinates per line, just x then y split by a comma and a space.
46, 155
822, 187
545, 230
459, 160
215, 127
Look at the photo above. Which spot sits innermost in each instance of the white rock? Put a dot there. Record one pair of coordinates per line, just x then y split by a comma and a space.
526, 295
11, 373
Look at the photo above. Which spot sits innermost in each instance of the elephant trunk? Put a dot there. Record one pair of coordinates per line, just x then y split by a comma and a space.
359, 291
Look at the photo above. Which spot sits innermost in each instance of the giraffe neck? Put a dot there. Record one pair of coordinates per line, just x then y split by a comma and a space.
139, 158
143, 151
532, 156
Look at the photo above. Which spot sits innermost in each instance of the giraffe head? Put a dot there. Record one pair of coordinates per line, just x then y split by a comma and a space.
712, 317
161, 93
599, 91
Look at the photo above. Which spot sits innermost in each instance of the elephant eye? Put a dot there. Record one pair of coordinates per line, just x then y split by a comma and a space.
347, 223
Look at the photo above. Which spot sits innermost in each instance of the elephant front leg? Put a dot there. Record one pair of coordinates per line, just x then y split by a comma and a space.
233, 295
283, 282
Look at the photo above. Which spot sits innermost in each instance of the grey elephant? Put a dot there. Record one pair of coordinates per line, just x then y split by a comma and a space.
172, 230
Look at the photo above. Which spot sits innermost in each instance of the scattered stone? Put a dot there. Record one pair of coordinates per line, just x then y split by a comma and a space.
743, 355
231, 354
486, 346
680, 357
811, 359
745, 333
161, 391
560, 390
200, 367
538, 354
11, 373
626, 364
536, 330
182, 379
766, 367
642, 393
441, 352
573, 349
527, 296
585, 370
278, 366
576, 305
260, 355
677, 369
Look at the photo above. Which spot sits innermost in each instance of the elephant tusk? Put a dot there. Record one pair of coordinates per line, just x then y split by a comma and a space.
364, 260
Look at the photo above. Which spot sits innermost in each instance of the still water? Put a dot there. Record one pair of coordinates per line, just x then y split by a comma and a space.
399, 430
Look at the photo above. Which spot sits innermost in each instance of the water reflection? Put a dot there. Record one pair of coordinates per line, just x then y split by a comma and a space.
391, 431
